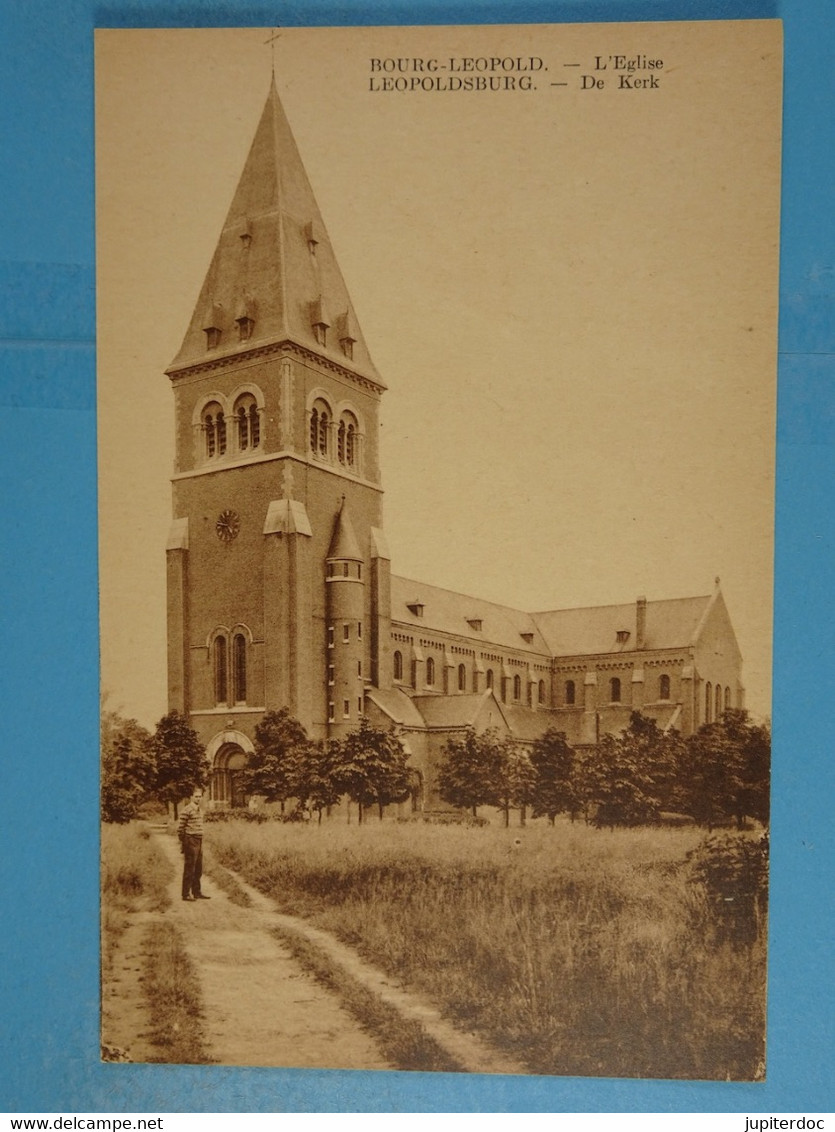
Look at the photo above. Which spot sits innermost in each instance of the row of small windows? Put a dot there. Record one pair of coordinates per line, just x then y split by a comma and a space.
241, 433
717, 700
615, 688
346, 634
229, 668
461, 679
345, 570
346, 709
321, 435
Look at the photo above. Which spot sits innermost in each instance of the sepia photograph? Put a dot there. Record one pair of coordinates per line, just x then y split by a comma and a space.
436, 436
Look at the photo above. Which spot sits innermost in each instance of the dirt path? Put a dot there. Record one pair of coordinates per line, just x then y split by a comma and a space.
260, 1008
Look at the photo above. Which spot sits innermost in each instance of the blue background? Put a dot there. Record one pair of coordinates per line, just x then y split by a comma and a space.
49, 939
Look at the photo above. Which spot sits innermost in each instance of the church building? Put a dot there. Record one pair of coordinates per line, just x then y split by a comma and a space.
280, 588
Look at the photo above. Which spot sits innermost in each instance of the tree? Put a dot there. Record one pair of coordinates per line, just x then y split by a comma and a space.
369, 765
555, 787
726, 770
127, 767
313, 776
469, 773
282, 757
181, 764
629, 777
515, 781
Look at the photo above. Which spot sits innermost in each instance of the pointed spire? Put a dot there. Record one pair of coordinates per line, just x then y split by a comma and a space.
274, 257
344, 542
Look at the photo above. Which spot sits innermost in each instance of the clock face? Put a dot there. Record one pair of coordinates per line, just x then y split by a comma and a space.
227, 526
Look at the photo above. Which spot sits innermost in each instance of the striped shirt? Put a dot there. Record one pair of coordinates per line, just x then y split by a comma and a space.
191, 820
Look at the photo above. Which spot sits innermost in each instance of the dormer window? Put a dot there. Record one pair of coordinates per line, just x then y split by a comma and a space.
475, 624
415, 608
622, 636
319, 321
313, 235
211, 325
527, 638
245, 326
346, 333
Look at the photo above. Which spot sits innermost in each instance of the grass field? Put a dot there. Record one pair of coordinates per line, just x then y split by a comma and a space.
579, 951
135, 878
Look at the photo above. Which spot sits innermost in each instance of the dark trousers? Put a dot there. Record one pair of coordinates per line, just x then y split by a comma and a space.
192, 864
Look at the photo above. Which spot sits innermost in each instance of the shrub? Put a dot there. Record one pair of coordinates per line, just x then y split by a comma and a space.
732, 871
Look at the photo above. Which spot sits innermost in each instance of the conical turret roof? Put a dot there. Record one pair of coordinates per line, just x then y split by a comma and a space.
274, 267
344, 542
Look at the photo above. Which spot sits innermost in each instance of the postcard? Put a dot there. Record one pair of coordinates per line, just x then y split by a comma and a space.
436, 392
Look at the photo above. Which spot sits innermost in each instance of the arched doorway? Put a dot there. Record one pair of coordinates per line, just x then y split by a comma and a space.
225, 789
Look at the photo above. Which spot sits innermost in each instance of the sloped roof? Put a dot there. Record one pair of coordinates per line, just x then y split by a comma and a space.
344, 541
527, 723
274, 262
670, 623
453, 711
399, 707
448, 612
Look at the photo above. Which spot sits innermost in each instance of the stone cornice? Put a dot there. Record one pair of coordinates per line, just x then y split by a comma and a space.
246, 356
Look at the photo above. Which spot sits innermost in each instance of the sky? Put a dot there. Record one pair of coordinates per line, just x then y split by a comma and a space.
569, 290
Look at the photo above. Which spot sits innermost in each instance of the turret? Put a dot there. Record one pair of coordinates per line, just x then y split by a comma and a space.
344, 603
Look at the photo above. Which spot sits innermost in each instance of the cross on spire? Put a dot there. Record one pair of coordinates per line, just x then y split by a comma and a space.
276, 35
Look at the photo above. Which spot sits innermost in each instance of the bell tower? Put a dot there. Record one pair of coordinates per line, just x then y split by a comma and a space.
274, 546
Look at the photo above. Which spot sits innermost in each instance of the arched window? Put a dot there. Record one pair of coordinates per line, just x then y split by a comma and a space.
320, 419
221, 686
239, 667
570, 692
462, 678
517, 687
247, 423
708, 702
346, 443
614, 690
718, 700
430, 671
541, 692
489, 679
398, 665
664, 687
727, 699
214, 430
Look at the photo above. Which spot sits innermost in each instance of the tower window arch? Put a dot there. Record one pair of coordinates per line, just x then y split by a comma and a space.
247, 423
540, 695
718, 700
664, 687
727, 699
346, 442
430, 671
517, 687
488, 680
708, 702
570, 692
220, 659
239, 668
320, 425
214, 430
398, 665
462, 678
614, 690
